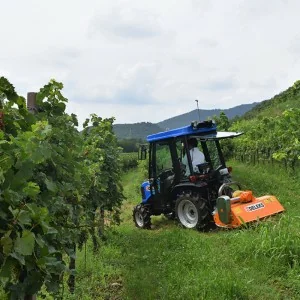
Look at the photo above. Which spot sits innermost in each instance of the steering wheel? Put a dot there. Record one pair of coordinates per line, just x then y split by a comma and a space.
203, 167
165, 173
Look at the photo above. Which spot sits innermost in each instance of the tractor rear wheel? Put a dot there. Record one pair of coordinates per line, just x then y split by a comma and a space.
142, 217
192, 211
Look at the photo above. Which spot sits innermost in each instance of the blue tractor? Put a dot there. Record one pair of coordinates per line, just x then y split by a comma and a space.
179, 191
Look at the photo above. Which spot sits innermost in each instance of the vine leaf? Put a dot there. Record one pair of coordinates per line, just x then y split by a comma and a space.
24, 217
48, 229
24, 245
51, 186
20, 258
7, 244
31, 189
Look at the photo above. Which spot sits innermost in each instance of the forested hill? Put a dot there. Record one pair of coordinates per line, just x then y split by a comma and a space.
290, 98
275, 106
141, 130
186, 118
136, 130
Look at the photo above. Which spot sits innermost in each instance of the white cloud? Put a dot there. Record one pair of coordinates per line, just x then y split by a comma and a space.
125, 23
149, 60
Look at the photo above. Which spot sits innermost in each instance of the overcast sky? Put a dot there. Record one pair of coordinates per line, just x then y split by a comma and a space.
143, 60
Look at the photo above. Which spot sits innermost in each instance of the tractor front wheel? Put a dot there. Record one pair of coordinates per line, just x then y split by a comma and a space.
192, 211
142, 216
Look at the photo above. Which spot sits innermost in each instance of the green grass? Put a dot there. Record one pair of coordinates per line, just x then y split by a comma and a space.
169, 262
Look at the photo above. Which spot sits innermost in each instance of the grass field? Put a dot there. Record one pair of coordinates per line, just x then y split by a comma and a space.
168, 262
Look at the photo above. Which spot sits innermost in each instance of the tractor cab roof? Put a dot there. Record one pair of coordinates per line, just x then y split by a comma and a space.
219, 135
204, 131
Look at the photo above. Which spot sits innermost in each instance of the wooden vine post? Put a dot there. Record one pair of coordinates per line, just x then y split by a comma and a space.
1, 116
1, 120
31, 106
31, 102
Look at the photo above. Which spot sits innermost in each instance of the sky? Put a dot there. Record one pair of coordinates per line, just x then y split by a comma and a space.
147, 61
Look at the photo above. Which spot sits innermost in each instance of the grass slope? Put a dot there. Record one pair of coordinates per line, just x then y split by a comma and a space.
277, 104
169, 262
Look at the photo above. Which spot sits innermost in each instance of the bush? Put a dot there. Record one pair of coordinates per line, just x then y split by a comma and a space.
128, 161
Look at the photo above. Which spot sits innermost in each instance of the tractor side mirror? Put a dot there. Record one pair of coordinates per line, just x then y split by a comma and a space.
142, 154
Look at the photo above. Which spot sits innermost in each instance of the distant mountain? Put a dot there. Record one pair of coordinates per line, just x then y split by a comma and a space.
185, 119
141, 130
136, 130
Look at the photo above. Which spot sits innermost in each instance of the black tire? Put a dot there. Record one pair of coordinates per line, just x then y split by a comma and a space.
142, 217
192, 211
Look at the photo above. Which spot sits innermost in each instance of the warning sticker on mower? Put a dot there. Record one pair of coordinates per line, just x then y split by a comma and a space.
254, 207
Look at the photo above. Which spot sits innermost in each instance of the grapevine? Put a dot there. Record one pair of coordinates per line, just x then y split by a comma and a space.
269, 139
53, 181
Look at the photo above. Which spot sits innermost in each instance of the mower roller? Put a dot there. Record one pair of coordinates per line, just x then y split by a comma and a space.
197, 195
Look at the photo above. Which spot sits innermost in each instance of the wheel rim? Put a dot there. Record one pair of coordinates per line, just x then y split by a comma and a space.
139, 218
187, 213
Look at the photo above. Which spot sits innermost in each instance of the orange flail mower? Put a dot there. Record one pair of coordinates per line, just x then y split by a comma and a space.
244, 208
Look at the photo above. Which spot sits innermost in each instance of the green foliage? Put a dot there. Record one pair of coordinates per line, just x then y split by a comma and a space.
270, 138
163, 158
271, 130
52, 180
102, 159
129, 145
276, 105
129, 161
222, 122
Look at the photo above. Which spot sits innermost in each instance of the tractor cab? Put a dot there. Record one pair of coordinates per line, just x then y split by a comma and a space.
196, 189
173, 173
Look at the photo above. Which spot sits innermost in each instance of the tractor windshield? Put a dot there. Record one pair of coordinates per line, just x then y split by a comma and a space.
213, 155
163, 157
211, 148
191, 155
